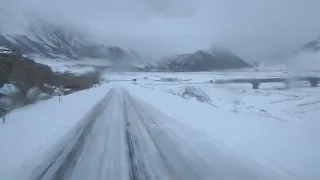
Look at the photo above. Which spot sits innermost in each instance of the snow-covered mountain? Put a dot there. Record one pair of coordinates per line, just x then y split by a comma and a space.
215, 58
30, 34
312, 45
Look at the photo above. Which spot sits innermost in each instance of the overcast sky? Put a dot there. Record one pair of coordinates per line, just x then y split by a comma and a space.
254, 29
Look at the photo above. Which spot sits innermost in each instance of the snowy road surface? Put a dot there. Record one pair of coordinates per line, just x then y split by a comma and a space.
123, 139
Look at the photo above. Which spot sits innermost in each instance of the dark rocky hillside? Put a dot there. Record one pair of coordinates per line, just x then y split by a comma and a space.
22, 75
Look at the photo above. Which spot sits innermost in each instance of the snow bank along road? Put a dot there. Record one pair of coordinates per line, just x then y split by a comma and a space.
123, 139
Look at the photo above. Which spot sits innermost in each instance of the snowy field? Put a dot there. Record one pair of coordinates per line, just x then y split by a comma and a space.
64, 65
271, 127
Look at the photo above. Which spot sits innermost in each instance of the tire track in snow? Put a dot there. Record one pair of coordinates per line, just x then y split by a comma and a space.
182, 157
65, 160
137, 167
130, 144
171, 154
143, 165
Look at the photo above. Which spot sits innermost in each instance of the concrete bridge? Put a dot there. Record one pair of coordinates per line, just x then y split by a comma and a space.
257, 81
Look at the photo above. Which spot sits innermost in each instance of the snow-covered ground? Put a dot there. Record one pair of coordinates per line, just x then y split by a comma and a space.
33, 130
282, 144
273, 127
300, 104
64, 65
200, 77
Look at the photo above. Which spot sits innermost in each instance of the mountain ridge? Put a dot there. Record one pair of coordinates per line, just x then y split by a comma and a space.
200, 60
37, 36
44, 38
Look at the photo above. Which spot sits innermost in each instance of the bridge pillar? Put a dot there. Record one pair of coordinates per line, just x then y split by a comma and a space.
255, 85
314, 83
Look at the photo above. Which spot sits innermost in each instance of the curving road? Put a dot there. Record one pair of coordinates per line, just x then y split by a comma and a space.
122, 138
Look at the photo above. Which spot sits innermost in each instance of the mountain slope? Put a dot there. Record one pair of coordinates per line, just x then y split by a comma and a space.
34, 35
30, 34
202, 60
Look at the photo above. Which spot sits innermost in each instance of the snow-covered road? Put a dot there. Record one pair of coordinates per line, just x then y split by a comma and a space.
122, 138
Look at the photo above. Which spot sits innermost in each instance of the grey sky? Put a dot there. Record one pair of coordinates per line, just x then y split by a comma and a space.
254, 29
